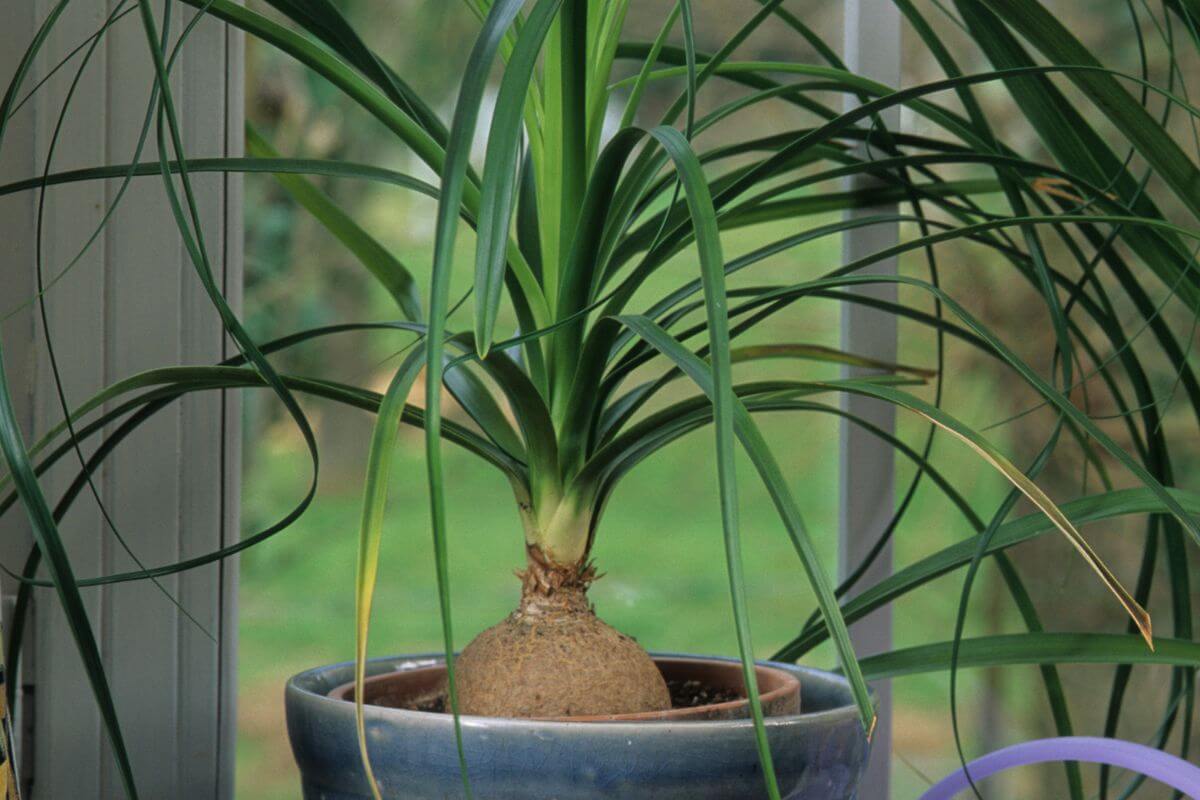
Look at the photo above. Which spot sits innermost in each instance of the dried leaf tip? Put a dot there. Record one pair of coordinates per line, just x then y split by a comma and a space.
1146, 627
1141, 618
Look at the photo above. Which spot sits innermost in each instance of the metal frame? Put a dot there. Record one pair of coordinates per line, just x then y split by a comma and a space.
173, 487
871, 36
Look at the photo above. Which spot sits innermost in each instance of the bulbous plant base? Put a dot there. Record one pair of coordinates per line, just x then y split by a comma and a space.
553, 657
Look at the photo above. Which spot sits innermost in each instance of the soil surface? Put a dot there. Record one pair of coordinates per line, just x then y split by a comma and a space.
434, 705
692, 694
684, 694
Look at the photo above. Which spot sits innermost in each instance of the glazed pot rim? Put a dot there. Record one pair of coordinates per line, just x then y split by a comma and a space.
316, 683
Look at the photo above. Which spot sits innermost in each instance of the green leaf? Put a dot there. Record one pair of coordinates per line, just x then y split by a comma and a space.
1048, 34
51, 349
1055, 693
772, 477
572, 396
1068, 134
45, 531
322, 19
174, 382
462, 130
326, 64
277, 166
500, 174
379, 261
629, 115
995, 459
191, 232
1053, 396
477, 400
289, 166
607, 35
619, 454
1033, 648
1088, 509
621, 410
720, 387
564, 138
375, 486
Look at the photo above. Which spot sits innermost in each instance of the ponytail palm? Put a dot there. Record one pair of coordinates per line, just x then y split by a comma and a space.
572, 223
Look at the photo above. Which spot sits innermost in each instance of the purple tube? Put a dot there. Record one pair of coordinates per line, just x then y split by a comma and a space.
1162, 767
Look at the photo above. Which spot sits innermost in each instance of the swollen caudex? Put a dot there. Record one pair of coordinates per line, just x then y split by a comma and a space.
553, 657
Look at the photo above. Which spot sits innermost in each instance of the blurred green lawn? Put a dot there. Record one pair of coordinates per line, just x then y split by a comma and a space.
659, 546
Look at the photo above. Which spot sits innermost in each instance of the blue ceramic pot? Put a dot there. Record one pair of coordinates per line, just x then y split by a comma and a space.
819, 753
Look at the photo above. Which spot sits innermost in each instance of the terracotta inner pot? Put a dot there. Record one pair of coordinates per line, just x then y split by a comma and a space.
423, 689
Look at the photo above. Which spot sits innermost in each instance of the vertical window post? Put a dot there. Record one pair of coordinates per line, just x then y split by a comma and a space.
867, 492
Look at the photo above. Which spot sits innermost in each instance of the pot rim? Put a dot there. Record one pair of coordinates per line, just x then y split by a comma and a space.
788, 683
314, 685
